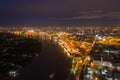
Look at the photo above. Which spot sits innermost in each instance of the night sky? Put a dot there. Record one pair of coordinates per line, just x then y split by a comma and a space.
59, 12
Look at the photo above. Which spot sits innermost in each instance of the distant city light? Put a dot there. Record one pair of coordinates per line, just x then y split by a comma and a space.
13, 73
31, 30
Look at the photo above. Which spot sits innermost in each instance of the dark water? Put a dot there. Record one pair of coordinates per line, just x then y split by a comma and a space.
18, 54
50, 60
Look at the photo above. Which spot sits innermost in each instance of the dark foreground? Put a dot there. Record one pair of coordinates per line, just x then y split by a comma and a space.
29, 59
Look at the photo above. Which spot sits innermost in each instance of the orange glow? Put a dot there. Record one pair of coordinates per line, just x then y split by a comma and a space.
110, 41
96, 78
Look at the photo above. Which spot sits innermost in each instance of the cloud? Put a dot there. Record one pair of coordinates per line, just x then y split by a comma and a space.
69, 11
95, 15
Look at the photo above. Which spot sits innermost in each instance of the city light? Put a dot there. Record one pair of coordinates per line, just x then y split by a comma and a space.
13, 73
89, 52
